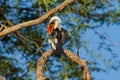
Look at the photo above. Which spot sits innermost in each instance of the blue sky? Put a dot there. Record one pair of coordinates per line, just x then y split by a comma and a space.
112, 34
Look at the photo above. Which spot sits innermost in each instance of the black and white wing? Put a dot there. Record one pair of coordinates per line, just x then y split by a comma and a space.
53, 40
65, 36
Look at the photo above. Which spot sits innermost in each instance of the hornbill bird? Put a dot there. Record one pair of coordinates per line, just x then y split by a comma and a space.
58, 35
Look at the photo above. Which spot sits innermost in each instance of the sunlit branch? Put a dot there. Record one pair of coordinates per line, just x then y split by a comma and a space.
36, 21
41, 64
43, 60
82, 63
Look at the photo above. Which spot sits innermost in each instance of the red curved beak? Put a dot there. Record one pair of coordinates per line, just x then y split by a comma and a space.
50, 28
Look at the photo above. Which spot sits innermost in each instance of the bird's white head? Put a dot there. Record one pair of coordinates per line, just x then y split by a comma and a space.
55, 19
55, 22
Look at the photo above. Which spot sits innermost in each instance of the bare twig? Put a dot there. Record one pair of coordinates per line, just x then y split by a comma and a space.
36, 21
2, 27
78, 48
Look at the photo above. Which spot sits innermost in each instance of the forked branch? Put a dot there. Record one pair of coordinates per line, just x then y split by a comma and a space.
42, 61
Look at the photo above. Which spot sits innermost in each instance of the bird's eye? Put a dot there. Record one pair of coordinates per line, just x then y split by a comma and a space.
52, 23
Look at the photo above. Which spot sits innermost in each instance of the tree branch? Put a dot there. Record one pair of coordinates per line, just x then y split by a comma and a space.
41, 64
80, 62
42, 61
36, 21
2, 78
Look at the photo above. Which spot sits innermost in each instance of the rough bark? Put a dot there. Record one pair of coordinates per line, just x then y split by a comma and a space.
82, 63
41, 64
2, 78
36, 21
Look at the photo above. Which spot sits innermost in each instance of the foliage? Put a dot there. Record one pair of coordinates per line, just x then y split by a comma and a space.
19, 51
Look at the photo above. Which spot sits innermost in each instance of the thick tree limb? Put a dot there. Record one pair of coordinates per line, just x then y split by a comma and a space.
36, 21
2, 78
81, 63
41, 64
